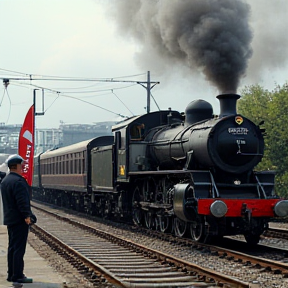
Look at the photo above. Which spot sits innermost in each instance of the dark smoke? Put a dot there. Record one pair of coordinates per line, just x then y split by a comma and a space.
211, 35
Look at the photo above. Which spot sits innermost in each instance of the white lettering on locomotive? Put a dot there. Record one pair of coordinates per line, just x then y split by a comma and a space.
238, 131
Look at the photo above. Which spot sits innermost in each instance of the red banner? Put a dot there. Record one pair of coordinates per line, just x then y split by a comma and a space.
26, 145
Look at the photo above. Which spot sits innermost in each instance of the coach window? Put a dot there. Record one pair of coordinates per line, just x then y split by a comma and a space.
68, 164
53, 165
83, 163
71, 171
60, 165
63, 164
42, 168
79, 165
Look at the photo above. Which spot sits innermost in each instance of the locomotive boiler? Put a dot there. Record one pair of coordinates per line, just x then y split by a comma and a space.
182, 173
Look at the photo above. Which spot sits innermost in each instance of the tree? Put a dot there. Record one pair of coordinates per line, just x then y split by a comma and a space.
254, 104
258, 104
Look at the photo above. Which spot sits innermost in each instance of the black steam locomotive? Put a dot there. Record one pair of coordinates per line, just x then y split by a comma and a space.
178, 173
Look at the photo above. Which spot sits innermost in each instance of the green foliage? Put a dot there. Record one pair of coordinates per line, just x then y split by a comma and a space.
281, 182
258, 104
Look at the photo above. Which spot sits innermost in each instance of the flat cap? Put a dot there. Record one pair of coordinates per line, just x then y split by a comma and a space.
14, 159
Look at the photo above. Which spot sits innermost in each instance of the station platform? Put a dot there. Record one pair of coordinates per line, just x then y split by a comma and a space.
35, 267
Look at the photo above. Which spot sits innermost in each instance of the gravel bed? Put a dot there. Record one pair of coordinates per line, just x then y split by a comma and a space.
265, 280
73, 278
277, 242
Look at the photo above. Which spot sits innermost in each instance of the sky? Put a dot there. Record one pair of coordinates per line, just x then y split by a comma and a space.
91, 42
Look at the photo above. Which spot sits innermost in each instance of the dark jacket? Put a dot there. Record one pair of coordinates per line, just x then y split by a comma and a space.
15, 198
2, 175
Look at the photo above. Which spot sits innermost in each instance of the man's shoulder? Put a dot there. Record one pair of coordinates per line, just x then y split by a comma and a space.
11, 177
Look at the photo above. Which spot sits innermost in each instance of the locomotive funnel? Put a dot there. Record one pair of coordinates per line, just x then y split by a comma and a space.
227, 104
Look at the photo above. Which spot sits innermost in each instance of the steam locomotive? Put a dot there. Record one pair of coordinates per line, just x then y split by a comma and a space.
182, 173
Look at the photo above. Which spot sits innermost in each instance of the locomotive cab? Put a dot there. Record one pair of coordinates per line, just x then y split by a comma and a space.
133, 137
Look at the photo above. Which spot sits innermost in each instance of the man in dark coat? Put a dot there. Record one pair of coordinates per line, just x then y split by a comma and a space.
17, 216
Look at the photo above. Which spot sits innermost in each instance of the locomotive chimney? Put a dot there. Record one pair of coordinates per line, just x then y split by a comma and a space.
227, 104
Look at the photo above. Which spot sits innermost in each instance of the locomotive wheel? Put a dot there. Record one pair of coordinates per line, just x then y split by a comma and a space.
164, 224
252, 239
137, 213
149, 220
197, 230
180, 227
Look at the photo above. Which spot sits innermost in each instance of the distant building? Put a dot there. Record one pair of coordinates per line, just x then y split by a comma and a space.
9, 135
73, 133
46, 139
50, 138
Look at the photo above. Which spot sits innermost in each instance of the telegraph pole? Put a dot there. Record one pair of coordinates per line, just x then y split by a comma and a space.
148, 87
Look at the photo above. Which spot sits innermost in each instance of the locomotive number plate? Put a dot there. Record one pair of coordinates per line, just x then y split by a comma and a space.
238, 131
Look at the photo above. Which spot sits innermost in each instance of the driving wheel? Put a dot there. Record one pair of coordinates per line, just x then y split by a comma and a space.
180, 227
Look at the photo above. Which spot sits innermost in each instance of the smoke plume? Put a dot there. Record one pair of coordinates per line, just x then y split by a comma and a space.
212, 36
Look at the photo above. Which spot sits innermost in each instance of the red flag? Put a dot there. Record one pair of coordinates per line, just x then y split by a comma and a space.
26, 145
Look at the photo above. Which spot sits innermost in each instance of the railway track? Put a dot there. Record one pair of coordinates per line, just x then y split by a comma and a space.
277, 232
254, 264
122, 262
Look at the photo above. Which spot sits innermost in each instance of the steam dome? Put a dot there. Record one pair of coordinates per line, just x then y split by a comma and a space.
198, 110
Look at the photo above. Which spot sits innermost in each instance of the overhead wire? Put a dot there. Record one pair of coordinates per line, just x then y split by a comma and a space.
2, 97
76, 88
69, 78
30, 77
101, 90
122, 102
60, 94
80, 98
52, 102
15, 72
10, 104
118, 114
155, 101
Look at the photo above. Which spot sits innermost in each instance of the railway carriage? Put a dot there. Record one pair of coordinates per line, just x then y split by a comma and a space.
63, 176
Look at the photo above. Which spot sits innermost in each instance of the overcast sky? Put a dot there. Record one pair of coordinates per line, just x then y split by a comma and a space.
81, 39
